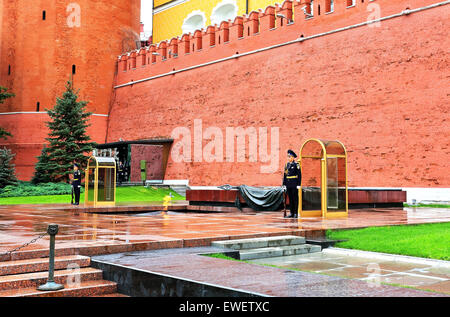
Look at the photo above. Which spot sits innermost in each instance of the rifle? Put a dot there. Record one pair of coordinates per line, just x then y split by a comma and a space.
284, 196
71, 186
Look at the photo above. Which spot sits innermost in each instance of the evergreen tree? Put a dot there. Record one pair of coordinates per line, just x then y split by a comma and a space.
4, 95
7, 170
4, 134
43, 168
68, 141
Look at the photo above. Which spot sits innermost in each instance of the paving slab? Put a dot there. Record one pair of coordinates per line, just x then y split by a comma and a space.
371, 267
90, 233
190, 264
96, 234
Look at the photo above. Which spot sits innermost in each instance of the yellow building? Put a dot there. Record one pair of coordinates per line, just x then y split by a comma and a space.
173, 18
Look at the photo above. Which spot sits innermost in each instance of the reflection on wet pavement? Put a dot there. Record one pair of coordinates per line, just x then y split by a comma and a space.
110, 233
431, 275
189, 264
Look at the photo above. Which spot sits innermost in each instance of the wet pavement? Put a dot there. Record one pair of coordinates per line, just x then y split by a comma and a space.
189, 264
89, 234
174, 236
373, 268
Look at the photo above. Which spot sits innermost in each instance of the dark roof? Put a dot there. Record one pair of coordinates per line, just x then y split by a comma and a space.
123, 143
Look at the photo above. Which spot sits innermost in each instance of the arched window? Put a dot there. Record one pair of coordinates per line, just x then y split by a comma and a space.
195, 20
224, 11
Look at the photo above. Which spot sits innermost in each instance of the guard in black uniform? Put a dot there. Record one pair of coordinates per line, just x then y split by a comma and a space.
121, 173
292, 179
76, 183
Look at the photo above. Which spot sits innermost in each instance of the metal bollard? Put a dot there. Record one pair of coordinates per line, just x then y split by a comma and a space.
52, 230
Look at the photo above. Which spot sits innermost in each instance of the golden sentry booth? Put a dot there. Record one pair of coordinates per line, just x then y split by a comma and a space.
324, 190
100, 182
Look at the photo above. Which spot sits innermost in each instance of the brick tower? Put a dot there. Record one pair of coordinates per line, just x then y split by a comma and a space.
43, 44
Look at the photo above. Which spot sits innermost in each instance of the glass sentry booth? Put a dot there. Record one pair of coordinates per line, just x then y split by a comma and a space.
100, 182
324, 190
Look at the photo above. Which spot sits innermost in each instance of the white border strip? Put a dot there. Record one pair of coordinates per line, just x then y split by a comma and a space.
299, 40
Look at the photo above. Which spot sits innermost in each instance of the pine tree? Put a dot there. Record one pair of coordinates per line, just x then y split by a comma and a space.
7, 170
68, 141
4, 95
43, 168
4, 134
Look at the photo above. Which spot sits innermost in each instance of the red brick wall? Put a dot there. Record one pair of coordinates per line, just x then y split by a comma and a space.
29, 131
153, 154
382, 91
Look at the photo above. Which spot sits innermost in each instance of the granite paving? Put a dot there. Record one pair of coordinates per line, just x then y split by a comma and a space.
192, 264
372, 268
90, 233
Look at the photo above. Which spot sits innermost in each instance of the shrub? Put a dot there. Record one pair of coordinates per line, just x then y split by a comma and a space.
25, 189
7, 169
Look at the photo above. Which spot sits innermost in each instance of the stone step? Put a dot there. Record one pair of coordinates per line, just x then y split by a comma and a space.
35, 254
179, 189
29, 280
254, 243
84, 289
41, 264
271, 252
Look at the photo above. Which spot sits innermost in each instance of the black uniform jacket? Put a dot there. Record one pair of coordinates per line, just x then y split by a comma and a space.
76, 179
292, 175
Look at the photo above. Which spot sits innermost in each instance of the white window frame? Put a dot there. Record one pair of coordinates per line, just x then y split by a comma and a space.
217, 20
191, 15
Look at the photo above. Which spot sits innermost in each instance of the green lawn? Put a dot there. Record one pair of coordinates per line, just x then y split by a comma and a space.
425, 240
124, 194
